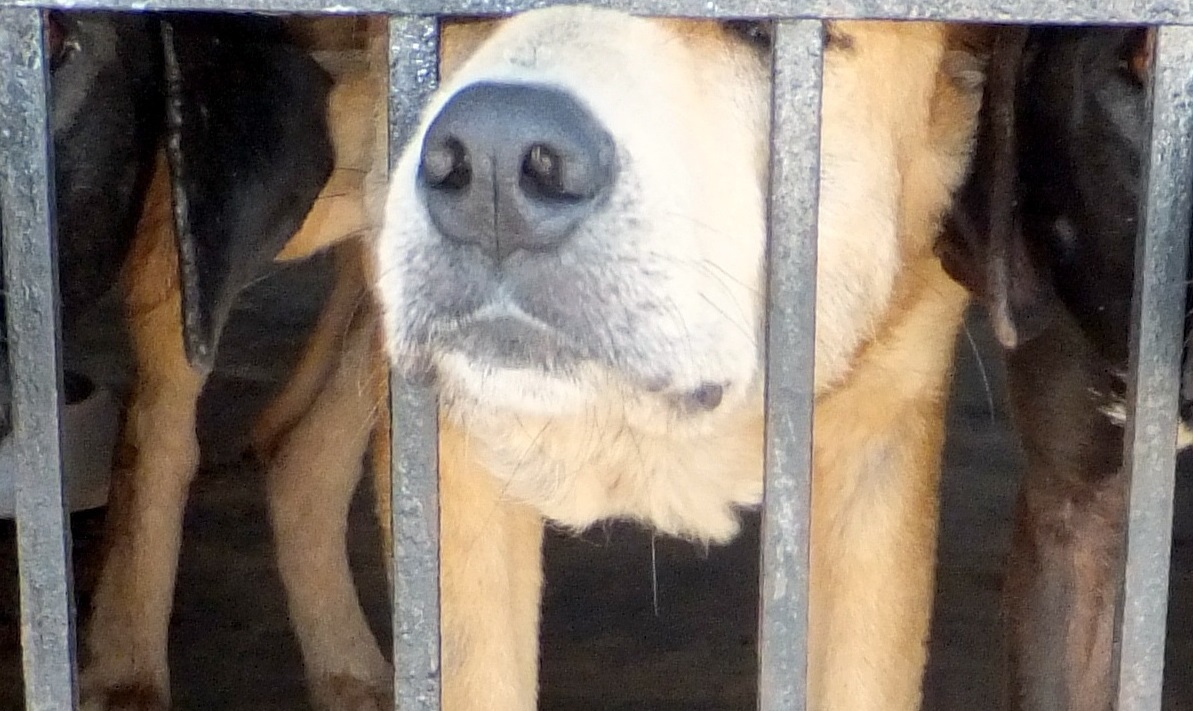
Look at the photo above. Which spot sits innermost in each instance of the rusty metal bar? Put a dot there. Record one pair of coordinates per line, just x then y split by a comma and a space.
31, 271
26, 199
413, 75
790, 337
1157, 325
1103, 12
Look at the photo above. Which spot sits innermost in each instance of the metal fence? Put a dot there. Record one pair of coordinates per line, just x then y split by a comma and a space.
27, 202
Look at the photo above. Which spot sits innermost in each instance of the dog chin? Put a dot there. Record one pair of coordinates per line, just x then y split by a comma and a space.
478, 391
467, 384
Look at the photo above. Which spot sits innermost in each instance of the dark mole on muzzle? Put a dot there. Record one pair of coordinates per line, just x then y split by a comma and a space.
510, 167
705, 398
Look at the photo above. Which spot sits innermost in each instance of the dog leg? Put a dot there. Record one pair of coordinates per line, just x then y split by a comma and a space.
379, 455
318, 356
874, 514
491, 580
872, 583
126, 639
1067, 547
491, 587
311, 481
1061, 589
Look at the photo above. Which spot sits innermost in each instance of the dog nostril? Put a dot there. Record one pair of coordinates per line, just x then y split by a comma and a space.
549, 175
513, 168
543, 174
446, 165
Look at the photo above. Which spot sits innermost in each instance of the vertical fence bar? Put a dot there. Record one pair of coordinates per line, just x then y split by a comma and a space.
1156, 341
413, 74
31, 278
790, 331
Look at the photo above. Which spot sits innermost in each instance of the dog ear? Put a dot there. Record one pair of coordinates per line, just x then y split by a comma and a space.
106, 118
249, 150
982, 245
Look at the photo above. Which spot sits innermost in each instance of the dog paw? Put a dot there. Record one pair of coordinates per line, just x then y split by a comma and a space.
341, 692
124, 697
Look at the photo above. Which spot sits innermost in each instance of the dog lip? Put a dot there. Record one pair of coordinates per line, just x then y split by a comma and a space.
504, 336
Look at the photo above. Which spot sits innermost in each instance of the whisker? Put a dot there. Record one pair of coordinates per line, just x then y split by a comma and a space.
654, 573
981, 370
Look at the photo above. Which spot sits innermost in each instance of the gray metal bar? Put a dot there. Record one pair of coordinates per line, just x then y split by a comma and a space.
1156, 340
413, 75
790, 337
31, 276
1019, 11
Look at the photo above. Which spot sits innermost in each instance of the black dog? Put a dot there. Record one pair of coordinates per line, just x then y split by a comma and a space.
243, 99
1044, 234
106, 116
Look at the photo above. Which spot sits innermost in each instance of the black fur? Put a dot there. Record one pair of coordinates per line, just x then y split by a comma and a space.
253, 152
1044, 233
105, 113
105, 118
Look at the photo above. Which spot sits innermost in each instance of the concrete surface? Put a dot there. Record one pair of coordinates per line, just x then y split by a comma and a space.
619, 632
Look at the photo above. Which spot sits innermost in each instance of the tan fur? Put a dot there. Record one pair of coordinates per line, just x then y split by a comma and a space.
158, 457
318, 356
887, 317
311, 480
883, 359
125, 663
877, 442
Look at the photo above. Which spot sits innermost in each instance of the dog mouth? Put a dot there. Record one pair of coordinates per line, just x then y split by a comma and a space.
507, 337
504, 338
472, 326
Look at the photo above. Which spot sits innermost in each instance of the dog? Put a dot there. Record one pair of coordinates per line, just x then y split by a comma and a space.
573, 248
103, 121
1044, 233
900, 109
192, 149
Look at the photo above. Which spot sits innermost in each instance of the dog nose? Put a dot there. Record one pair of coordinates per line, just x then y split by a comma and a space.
511, 167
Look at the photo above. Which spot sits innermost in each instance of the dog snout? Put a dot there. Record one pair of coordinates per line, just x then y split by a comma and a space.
514, 167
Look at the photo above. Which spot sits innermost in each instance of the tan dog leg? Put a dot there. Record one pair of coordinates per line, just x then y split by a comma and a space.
311, 481
491, 580
491, 553
491, 587
874, 504
872, 587
318, 357
127, 634
379, 456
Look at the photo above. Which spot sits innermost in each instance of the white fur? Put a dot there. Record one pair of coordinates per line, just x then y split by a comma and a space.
1116, 410
683, 229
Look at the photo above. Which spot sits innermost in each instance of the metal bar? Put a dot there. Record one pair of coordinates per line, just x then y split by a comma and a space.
413, 75
31, 275
1156, 339
1016, 11
790, 337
